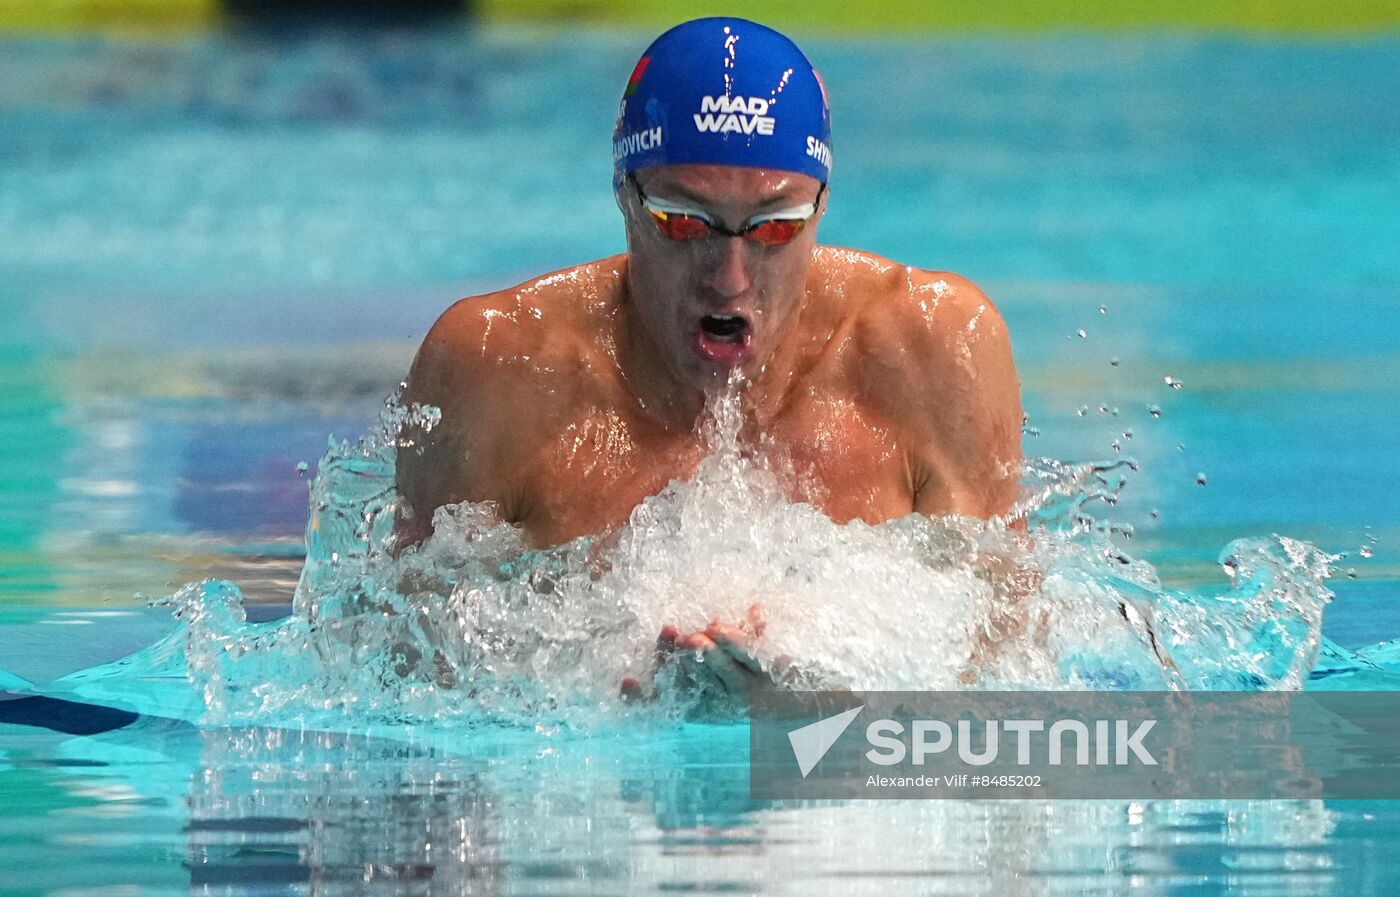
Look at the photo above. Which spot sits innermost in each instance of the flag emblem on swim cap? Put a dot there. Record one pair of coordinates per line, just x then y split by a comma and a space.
724, 91
636, 78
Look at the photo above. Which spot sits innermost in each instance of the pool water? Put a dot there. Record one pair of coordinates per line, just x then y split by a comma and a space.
217, 250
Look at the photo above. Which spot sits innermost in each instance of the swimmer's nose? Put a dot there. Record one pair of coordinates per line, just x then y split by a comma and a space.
729, 274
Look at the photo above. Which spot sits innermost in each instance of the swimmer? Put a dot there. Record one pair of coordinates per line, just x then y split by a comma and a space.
883, 389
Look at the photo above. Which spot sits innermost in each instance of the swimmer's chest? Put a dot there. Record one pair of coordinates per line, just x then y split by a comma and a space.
601, 464
838, 456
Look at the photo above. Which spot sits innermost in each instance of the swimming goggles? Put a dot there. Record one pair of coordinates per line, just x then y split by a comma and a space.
680, 223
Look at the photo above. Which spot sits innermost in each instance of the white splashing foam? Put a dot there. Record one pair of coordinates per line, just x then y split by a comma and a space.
472, 622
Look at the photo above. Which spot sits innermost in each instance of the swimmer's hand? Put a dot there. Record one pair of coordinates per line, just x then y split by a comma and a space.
714, 668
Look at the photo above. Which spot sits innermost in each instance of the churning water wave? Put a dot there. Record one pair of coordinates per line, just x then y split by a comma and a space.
474, 626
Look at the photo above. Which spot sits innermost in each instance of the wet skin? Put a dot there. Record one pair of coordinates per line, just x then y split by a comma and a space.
880, 389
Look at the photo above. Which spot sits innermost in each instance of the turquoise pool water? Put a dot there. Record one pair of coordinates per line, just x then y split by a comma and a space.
217, 250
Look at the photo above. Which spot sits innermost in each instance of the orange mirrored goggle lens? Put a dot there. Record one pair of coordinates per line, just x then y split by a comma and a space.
771, 232
680, 227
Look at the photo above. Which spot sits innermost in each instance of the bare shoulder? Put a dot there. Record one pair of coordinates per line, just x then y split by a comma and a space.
507, 337
499, 367
926, 313
916, 325
935, 356
902, 316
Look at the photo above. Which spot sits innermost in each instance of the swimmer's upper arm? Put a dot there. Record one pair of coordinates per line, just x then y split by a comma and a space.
963, 401
454, 371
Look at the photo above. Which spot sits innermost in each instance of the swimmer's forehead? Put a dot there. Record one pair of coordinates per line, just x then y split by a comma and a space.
729, 186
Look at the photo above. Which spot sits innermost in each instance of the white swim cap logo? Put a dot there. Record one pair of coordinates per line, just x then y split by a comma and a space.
636, 142
741, 115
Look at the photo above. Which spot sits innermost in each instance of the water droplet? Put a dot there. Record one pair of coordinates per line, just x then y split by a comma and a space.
1082, 410
1081, 334
1154, 410
1103, 309
1366, 551
1127, 434
1113, 361
1200, 479
1113, 411
1173, 382
1117, 446
1181, 446
302, 467
1155, 513
1103, 409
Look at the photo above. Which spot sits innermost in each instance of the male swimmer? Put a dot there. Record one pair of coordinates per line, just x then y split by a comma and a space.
567, 400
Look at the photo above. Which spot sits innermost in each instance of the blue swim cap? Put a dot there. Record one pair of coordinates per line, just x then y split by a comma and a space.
725, 92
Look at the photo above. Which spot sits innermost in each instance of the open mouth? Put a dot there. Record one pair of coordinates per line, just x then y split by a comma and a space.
724, 339
725, 328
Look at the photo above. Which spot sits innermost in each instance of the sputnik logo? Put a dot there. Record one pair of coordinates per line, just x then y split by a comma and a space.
811, 742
